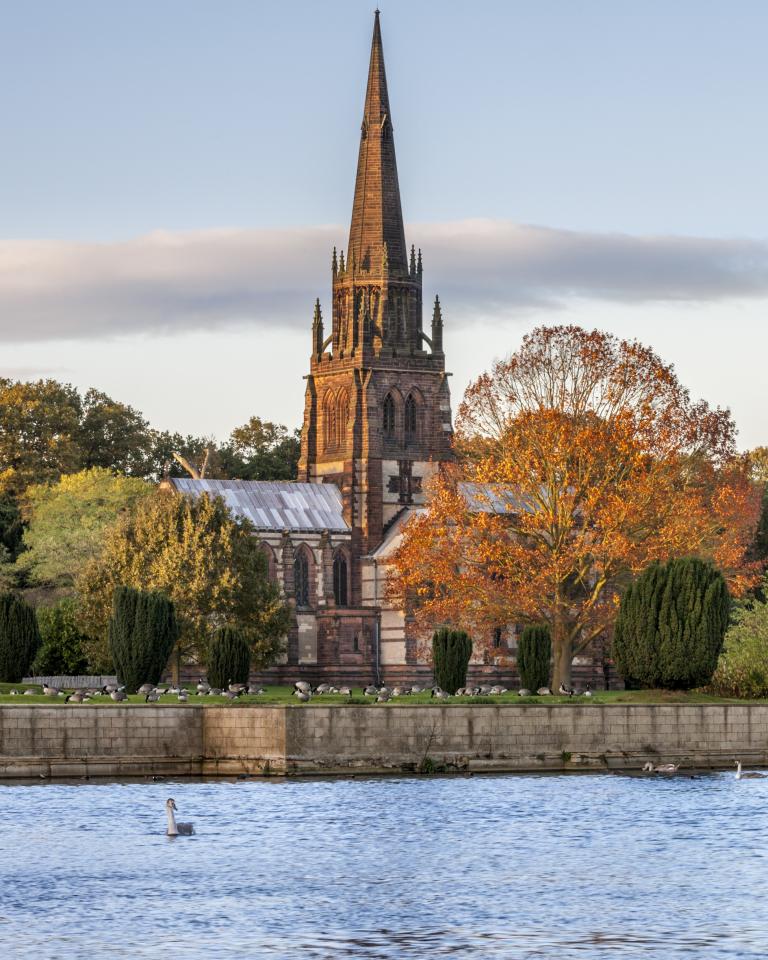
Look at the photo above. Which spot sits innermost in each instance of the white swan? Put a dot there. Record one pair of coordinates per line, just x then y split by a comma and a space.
749, 775
661, 768
176, 829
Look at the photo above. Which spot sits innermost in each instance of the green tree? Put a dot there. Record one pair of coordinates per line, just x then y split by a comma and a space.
261, 450
38, 440
742, 670
534, 653
68, 520
451, 650
19, 637
113, 436
62, 650
142, 634
671, 625
229, 660
205, 560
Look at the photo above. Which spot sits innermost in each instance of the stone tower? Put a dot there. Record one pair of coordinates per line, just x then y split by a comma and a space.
377, 417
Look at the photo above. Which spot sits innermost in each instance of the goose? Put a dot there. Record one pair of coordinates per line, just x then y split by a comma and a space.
485, 691
256, 691
118, 696
497, 691
231, 695
417, 690
661, 768
543, 692
442, 695
370, 691
303, 686
183, 696
383, 696
302, 697
323, 688
214, 692
50, 691
30, 693
176, 829
522, 692
587, 692
75, 697
236, 687
152, 697
14, 693
203, 686
347, 692
749, 775
146, 688
565, 691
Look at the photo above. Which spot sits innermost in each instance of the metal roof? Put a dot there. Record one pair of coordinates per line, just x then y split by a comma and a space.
493, 498
282, 505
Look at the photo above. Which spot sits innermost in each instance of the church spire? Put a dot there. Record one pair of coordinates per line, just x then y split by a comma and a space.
377, 218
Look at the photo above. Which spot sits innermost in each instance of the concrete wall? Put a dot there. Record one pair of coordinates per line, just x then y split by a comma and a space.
114, 741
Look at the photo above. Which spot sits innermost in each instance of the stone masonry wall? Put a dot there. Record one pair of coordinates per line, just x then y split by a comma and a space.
118, 741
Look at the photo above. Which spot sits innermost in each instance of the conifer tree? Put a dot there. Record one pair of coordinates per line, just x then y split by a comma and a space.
230, 658
451, 650
671, 625
19, 637
142, 634
534, 653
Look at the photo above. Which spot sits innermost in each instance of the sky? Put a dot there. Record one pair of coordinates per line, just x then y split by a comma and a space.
175, 173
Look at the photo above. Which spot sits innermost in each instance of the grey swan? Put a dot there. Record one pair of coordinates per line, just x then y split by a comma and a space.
749, 775
176, 829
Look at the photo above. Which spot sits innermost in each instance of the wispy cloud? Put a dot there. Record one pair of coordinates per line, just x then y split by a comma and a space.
174, 282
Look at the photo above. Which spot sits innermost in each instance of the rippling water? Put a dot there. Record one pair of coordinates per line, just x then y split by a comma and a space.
482, 867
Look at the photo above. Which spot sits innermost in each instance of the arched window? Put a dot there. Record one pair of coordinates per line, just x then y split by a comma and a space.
269, 556
342, 415
410, 418
330, 416
340, 580
498, 633
301, 579
389, 416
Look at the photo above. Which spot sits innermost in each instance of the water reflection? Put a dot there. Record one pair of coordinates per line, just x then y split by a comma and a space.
518, 867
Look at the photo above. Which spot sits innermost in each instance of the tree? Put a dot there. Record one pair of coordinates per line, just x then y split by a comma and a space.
671, 625
68, 520
261, 450
229, 660
205, 560
451, 650
113, 436
62, 649
19, 638
38, 441
586, 460
142, 634
534, 652
11, 529
742, 670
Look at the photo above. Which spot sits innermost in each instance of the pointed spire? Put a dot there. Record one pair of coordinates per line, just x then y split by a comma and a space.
342, 268
377, 216
437, 328
420, 268
317, 330
412, 265
334, 263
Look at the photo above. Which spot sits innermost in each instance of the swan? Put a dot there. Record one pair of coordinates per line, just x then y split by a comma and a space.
749, 775
661, 768
176, 829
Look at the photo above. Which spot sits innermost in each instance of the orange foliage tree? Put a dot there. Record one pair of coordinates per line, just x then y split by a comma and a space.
582, 459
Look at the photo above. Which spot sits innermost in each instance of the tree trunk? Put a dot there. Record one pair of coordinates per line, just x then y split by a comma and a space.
176, 666
563, 657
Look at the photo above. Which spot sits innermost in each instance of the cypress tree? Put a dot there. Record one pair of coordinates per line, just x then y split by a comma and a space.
142, 634
19, 637
671, 625
534, 653
229, 660
451, 650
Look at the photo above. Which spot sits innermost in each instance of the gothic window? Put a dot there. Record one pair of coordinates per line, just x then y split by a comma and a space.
342, 416
389, 416
331, 421
340, 580
269, 555
410, 418
301, 579
497, 635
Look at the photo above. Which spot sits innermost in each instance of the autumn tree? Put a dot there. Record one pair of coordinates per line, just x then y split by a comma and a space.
583, 459
67, 521
207, 562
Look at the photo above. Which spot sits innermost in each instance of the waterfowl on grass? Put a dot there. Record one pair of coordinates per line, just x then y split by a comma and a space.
522, 692
543, 692
565, 691
301, 696
118, 696
146, 688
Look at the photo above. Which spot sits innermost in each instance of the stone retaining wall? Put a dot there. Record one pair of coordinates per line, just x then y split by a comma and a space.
193, 740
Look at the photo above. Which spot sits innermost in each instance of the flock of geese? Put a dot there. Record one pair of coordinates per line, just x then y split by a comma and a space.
304, 691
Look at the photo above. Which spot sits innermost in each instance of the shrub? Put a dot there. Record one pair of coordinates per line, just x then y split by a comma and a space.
229, 660
671, 625
142, 634
62, 650
451, 650
19, 638
742, 670
534, 653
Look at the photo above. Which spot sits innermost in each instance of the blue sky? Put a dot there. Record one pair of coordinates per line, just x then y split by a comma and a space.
632, 133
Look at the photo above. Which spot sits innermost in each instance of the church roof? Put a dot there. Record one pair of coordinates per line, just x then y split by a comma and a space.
280, 505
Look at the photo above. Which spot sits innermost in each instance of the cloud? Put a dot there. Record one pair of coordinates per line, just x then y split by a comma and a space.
176, 282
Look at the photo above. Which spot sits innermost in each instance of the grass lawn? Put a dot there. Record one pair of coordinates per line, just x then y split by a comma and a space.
283, 696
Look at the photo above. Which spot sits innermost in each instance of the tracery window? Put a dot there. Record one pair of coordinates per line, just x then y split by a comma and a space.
301, 579
410, 418
340, 580
389, 416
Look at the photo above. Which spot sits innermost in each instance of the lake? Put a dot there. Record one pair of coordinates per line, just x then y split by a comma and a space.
469, 867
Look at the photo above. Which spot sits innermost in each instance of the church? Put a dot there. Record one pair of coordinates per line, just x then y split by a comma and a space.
377, 424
